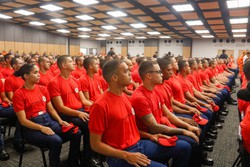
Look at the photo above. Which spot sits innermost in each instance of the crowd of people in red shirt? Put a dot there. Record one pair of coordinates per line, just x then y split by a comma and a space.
136, 111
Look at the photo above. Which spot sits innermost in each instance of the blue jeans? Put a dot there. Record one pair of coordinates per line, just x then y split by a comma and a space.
53, 142
156, 152
87, 151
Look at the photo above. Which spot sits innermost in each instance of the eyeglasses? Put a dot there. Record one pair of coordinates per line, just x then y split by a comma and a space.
158, 72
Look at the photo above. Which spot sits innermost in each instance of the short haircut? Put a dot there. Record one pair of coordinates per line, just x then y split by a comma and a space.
182, 64
110, 68
13, 61
163, 63
41, 59
7, 56
88, 61
191, 61
61, 59
246, 69
211, 62
78, 58
203, 60
24, 69
145, 67
140, 60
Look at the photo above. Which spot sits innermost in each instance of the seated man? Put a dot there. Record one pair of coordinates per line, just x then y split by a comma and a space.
112, 115
45, 74
69, 101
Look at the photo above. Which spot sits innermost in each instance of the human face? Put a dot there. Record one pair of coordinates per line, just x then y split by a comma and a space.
33, 76
123, 75
155, 74
205, 65
69, 64
95, 66
46, 64
129, 64
174, 64
19, 64
167, 72
187, 68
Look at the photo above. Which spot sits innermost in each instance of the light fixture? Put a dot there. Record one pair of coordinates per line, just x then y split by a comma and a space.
101, 39
238, 3
3, 16
164, 37
141, 37
239, 30
109, 27
37, 23
63, 31
127, 34
85, 17
194, 23
202, 31
239, 35
239, 21
104, 35
183, 8
207, 36
51, 7
24, 12
153, 33
117, 14
60, 21
119, 38
138, 25
83, 36
86, 2
84, 29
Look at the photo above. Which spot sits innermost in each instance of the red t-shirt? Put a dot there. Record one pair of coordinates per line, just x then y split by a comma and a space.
31, 101
7, 72
146, 102
68, 90
204, 76
1, 90
165, 91
209, 72
136, 77
176, 87
186, 84
77, 73
195, 83
54, 69
104, 84
113, 117
45, 78
91, 85
245, 130
12, 83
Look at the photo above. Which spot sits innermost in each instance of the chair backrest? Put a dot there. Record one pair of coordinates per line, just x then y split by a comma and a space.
245, 156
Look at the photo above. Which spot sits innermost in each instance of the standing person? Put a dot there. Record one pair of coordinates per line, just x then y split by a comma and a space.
112, 115
69, 101
111, 52
223, 55
35, 112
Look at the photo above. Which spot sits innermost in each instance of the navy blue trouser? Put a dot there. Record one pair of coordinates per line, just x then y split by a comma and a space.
156, 152
53, 142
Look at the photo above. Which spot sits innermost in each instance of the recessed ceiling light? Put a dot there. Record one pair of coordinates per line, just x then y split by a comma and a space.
153, 33
239, 35
202, 31
37, 23
101, 39
84, 29
119, 38
165, 37
117, 14
127, 34
239, 30
194, 23
51, 7
238, 3
60, 21
207, 36
24, 12
109, 27
86, 2
138, 25
141, 37
3, 16
85, 17
63, 31
239, 21
83, 36
104, 35
183, 8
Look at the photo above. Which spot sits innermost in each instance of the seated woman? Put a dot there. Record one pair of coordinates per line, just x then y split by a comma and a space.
34, 111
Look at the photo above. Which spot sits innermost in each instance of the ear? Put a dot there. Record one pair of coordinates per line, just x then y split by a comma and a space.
26, 76
114, 77
63, 65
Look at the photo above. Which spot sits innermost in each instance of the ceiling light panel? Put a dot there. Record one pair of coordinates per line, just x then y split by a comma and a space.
239, 30
51, 7
127, 34
119, 38
84, 29
207, 36
117, 14
153, 33
85, 17
238, 3
86, 2
60, 21
104, 35
84, 36
164, 37
36, 23
239, 21
202, 31
194, 23
63, 31
100, 39
138, 25
3, 16
239, 35
141, 37
183, 8
109, 27
24, 12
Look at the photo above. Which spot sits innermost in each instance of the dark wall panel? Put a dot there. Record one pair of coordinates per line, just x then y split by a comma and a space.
27, 33
2, 31
50, 38
9, 31
19, 36
42, 37
35, 36
152, 43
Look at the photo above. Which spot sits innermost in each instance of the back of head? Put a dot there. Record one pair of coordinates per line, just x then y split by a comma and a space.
41, 59
7, 56
87, 62
246, 69
139, 60
182, 64
163, 63
191, 62
60, 60
145, 67
110, 68
13, 62
24, 69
